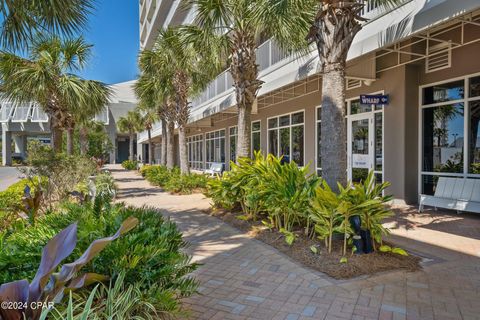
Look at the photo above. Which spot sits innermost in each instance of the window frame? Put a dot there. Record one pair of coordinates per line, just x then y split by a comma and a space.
196, 164
290, 126
259, 131
208, 163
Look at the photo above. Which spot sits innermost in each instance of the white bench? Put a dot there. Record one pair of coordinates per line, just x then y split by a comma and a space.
454, 193
216, 168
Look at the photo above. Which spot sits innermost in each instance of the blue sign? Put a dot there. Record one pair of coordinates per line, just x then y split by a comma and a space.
373, 99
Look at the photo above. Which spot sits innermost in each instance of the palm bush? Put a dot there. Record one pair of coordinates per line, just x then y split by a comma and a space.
130, 164
150, 256
173, 180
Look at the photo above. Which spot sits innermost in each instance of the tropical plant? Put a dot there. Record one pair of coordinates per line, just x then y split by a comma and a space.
131, 124
324, 214
151, 256
130, 164
183, 72
48, 285
21, 20
173, 180
45, 77
232, 30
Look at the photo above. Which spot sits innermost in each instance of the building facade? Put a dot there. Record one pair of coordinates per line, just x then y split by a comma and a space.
413, 99
20, 123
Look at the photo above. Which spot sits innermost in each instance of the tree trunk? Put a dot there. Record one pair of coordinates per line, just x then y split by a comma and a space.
83, 140
170, 145
182, 141
131, 155
70, 141
56, 135
333, 148
163, 151
244, 72
151, 147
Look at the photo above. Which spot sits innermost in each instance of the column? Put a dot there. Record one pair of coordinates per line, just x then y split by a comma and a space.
113, 153
20, 145
141, 152
6, 148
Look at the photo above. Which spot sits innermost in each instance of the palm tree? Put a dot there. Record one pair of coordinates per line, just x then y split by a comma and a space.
20, 20
234, 28
183, 72
95, 96
45, 77
152, 93
149, 116
131, 124
333, 29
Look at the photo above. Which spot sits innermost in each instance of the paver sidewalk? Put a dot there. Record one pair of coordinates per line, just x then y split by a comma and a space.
242, 278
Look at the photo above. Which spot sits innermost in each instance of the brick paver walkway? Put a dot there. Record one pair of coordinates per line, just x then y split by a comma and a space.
242, 278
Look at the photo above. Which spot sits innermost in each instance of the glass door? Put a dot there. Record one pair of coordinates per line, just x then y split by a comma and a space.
360, 146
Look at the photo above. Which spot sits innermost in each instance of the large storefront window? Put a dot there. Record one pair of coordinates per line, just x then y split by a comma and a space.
286, 137
233, 132
195, 151
319, 140
256, 129
215, 147
450, 135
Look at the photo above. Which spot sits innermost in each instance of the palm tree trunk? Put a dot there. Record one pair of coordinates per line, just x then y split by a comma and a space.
244, 70
150, 147
56, 135
333, 150
182, 141
70, 141
170, 145
131, 156
83, 140
163, 151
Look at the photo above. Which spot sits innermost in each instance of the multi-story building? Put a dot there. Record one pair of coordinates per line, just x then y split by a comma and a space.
424, 56
19, 123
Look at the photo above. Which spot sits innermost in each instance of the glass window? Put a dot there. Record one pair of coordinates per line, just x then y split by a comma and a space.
474, 137
297, 145
297, 118
285, 144
444, 92
273, 142
378, 142
284, 121
474, 87
195, 151
215, 147
357, 107
443, 138
272, 123
256, 126
233, 144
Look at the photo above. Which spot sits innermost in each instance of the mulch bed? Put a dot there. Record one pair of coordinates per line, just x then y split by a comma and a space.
328, 263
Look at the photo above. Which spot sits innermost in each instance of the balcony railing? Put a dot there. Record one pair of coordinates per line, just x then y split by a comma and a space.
269, 54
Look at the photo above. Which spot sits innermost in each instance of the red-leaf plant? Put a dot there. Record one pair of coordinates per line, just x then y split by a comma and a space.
21, 300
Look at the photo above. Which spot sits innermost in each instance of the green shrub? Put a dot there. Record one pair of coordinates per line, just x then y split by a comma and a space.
172, 180
150, 256
130, 164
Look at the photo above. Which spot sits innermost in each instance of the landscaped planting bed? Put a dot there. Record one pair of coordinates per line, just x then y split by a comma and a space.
339, 232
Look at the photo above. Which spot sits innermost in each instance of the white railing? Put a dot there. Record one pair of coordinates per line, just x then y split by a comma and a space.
38, 115
6, 110
223, 82
21, 113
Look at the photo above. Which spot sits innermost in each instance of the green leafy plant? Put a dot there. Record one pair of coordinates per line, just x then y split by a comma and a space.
130, 164
48, 285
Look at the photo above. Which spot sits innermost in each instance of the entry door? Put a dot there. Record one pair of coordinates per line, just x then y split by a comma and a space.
360, 146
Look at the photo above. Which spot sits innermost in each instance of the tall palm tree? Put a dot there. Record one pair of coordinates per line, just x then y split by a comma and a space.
332, 30
21, 20
95, 98
152, 93
233, 29
149, 116
131, 124
45, 76
183, 73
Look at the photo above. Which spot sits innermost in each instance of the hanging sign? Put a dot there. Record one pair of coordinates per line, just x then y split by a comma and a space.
375, 99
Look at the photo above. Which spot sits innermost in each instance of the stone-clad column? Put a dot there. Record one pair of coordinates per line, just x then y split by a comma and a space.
6, 148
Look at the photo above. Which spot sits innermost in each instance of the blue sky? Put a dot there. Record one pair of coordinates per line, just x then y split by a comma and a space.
113, 30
